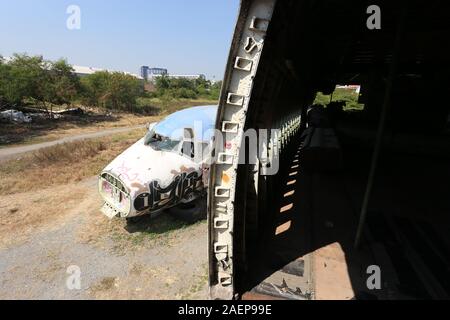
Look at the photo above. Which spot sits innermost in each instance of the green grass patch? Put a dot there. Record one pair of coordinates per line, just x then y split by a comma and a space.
350, 97
166, 105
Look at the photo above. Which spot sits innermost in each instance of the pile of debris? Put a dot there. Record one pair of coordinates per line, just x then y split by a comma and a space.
28, 114
15, 116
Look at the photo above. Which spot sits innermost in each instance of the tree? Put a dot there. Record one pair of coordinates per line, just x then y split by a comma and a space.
162, 83
64, 84
123, 91
215, 90
116, 90
22, 78
5, 80
48, 83
94, 88
183, 88
44, 82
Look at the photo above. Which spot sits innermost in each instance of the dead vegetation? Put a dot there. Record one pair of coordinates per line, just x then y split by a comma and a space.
160, 283
199, 284
63, 164
23, 214
107, 283
150, 232
55, 188
69, 152
156, 278
44, 130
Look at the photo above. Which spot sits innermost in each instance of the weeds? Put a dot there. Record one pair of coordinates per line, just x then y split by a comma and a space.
147, 232
69, 152
64, 163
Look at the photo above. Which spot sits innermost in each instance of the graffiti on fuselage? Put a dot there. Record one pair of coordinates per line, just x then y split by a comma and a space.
182, 187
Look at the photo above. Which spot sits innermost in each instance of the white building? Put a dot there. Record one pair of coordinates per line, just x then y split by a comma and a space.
356, 88
85, 71
187, 76
180, 76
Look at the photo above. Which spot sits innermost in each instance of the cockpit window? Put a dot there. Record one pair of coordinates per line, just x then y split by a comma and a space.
167, 145
150, 137
161, 143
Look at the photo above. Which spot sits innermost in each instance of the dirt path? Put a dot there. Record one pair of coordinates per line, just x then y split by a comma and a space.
43, 233
11, 152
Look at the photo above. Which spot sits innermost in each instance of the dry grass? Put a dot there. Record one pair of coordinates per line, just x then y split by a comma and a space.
63, 164
148, 233
68, 152
107, 283
199, 285
23, 214
154, 278
46, 130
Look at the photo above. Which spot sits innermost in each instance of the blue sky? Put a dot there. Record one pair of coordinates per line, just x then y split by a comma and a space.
185, 36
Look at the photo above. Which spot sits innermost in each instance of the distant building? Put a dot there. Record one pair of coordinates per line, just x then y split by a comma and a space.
7, 59
188, 76
144, 72
157, 72
81, 71
356, 88
148, 73
85, 71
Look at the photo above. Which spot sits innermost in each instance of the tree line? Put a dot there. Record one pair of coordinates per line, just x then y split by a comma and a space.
32, 80
182, 88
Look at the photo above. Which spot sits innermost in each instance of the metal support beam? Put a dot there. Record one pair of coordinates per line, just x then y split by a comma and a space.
382, 125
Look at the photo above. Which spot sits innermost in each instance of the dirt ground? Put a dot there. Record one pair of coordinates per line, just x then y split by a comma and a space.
44, 130
43, 233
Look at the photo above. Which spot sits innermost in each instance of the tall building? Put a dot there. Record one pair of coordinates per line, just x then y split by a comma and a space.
144, 72
148, 73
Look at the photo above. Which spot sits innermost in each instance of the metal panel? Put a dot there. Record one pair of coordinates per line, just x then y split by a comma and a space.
252, 25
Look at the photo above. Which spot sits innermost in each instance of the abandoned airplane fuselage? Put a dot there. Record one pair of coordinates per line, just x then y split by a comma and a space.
162, 170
